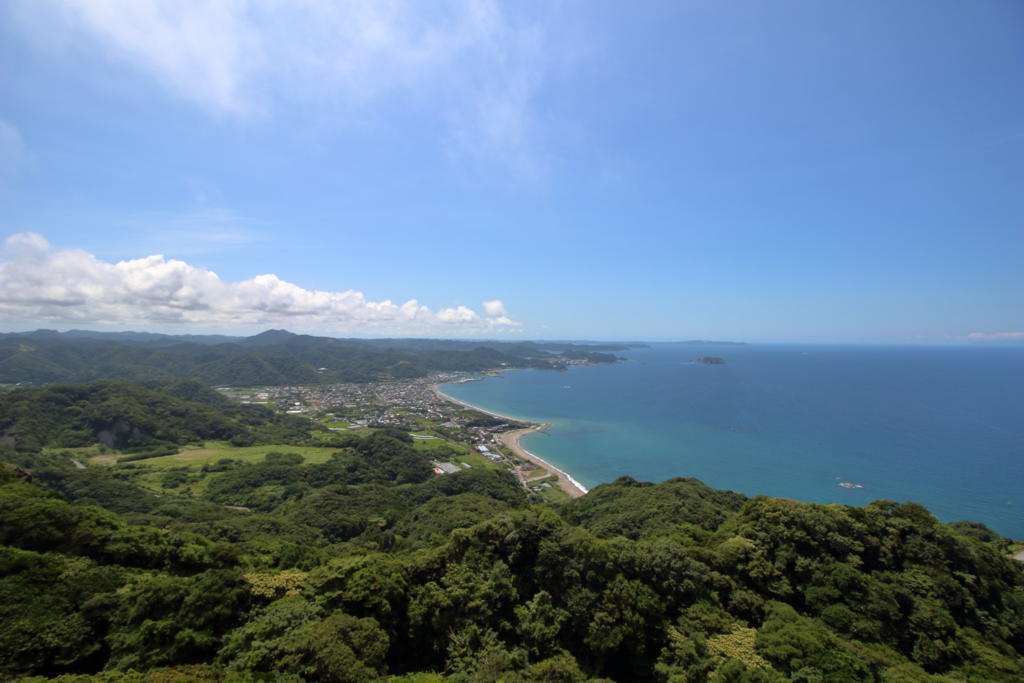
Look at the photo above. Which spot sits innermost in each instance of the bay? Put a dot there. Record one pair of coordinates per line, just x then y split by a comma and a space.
942, 426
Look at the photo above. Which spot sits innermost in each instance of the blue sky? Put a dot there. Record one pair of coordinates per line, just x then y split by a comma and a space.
763, 171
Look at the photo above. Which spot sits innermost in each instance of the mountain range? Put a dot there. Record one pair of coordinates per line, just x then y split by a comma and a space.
273, 357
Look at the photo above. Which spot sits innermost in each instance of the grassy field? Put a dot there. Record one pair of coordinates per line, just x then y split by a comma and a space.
465, 455
212, 451
325, 436
236, 391
194, 457
552, 494
536, 475
474, 459
431, 445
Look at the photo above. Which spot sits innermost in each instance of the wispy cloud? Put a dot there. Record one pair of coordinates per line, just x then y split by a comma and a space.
39, 283
203, 52
464, 62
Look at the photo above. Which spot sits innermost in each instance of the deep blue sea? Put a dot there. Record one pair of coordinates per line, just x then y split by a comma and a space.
942, 426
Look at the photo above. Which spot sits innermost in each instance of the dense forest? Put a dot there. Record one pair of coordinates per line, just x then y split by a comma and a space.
275, 357
369, 566
124, 416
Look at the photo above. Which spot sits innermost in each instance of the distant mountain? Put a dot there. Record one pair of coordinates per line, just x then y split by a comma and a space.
272, 337
520, 347
135, 338
279, 337
274, 357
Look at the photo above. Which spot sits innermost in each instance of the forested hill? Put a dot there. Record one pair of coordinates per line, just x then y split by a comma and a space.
275, 357
364, 564
125, 416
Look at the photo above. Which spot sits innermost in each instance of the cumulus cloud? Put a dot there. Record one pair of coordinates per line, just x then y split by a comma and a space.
464, 61
40, 283
494, 309
996, 336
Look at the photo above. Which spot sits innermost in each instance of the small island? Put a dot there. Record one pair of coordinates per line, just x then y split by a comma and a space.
710, 360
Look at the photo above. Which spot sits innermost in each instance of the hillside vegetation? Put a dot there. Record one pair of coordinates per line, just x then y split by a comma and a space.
367, 566
124, 416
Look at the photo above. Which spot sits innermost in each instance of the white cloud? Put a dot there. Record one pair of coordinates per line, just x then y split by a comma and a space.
494, 309
204, 52
996, 336
462, 61
458, 315
39, 283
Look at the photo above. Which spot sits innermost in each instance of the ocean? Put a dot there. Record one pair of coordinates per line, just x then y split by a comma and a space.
941, 426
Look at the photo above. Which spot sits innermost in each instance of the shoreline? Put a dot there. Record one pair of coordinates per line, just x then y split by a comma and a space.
511, 439
446, 397
565, 480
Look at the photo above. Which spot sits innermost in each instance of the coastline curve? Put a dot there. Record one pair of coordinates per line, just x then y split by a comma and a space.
511, 439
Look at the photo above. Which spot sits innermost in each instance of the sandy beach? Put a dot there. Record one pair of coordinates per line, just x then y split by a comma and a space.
511, 439
441, 394
565, 482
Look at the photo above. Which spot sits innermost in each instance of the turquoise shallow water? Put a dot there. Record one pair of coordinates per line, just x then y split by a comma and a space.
942, 426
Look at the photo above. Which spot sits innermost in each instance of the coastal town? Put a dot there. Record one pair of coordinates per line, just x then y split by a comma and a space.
456, 435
